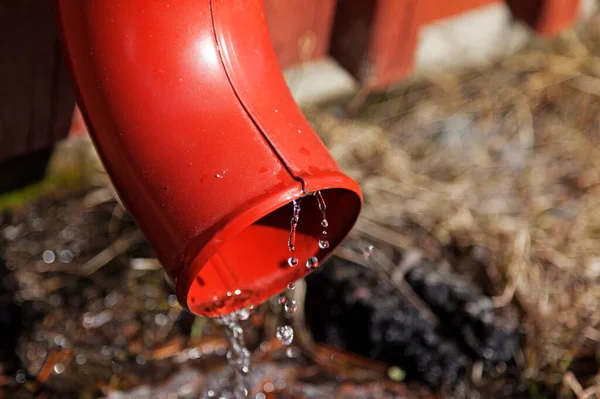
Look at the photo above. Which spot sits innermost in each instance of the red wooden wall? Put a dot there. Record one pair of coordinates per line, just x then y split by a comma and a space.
300, 29
375, 40
36, 101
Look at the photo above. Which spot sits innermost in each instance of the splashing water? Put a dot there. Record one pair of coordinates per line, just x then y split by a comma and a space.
285, 334
290, 306
294, 225
238, 356
286, 299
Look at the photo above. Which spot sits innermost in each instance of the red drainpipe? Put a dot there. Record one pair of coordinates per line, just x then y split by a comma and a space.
194, 123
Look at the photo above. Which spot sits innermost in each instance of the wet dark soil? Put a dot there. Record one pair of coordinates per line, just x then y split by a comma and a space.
365, 314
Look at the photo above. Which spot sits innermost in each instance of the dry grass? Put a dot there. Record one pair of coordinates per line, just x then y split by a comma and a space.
508, 158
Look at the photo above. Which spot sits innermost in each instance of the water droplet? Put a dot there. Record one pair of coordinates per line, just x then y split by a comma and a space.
55, 300
12, 232
368, 251
219, 176
292, 261
106, 351
65, 256
292, 352
396, 374
59, 368
60, 340
68, 233
194, 353
20, 377
265, 346
282, 300
150, 304
240, 392
291, 286
111, 299
38, 224
172, 300
31, 354
294, 225
323, 244
290, 306
285, 334
268, 387
48, 256
321, 202
139, 359
312, 262
243, 314
161, 319
488, 353
80, 359
75, 248
88, 320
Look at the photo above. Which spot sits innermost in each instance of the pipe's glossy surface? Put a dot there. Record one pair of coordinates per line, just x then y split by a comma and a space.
191, 116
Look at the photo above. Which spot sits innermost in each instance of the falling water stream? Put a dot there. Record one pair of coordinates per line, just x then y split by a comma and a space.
285, 333
238, 356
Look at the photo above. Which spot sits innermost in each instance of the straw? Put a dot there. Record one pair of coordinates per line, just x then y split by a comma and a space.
505, 157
